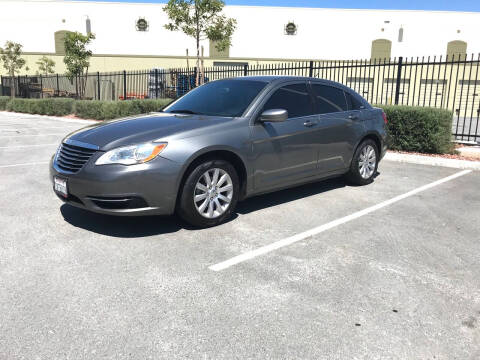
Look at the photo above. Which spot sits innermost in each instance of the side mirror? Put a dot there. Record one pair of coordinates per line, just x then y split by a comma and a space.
274, 115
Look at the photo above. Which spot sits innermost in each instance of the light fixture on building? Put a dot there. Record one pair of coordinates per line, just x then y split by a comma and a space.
458, 31
142, 24
88, 25
290, 28
400, 34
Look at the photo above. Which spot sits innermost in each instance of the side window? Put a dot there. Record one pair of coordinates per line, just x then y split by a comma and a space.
352, 102
293, 98
329, 99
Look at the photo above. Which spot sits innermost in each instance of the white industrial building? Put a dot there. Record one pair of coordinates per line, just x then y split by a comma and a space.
263, 33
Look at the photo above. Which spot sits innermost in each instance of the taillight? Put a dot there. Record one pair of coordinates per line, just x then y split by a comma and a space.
385, 120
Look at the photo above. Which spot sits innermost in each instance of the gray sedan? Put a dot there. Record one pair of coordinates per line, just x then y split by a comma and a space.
222, 142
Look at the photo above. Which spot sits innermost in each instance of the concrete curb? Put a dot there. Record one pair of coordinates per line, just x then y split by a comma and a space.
432, 161
46, 117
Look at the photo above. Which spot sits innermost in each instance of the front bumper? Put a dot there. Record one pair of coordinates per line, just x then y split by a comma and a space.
143, 189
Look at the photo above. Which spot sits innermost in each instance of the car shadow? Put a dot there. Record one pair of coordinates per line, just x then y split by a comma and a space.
142, 226
284, 196
121, 226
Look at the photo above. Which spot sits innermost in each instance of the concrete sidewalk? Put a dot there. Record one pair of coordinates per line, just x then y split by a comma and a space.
432, 161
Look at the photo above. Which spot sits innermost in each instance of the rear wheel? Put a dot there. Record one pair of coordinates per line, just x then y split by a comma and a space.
364, 163
210, 194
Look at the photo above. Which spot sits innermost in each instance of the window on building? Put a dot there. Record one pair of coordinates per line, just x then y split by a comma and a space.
60, 41
293, 98
381, 49
214, 53
457, 50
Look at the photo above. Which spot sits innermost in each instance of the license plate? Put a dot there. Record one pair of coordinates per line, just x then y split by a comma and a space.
60, 186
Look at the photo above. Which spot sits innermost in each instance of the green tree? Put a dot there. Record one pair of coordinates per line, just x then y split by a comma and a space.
11, 56
77, 59
201, 19
45, 65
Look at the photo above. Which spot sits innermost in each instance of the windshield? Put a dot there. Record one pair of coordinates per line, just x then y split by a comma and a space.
229, 98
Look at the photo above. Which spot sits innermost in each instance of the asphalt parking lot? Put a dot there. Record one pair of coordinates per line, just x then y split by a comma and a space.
326, 270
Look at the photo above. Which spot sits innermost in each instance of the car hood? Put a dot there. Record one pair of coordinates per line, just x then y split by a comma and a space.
134, 130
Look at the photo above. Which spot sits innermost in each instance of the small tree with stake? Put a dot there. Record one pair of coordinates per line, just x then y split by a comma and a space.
201, 19
12, 61
45, 65
77, 59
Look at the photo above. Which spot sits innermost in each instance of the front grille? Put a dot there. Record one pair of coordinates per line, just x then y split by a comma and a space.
71, 158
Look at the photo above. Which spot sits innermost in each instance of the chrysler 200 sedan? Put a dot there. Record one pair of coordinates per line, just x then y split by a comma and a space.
220, 143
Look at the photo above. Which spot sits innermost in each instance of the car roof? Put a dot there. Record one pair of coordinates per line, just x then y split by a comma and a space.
270, 78
282, 78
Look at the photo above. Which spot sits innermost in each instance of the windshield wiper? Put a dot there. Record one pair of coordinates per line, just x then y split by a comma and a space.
186, 111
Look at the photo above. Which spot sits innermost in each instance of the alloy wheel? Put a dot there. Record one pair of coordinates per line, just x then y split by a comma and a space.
213, 193
367, 162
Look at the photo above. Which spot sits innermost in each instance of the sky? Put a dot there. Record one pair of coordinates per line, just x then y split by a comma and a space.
450, 5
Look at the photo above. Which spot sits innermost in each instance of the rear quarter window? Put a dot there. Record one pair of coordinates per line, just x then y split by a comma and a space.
329, 99
353, 102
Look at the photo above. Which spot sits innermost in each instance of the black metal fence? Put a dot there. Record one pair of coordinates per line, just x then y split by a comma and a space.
442, 82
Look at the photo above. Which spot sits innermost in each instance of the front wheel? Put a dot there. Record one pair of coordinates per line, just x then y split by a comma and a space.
364, 163
210, 194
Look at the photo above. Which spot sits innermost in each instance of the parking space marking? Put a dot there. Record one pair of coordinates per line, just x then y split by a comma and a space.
319, 229
27, 117
25, 164
26, 146
37, 128
17, 136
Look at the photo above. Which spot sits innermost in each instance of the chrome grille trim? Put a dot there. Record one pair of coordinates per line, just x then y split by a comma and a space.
71, 158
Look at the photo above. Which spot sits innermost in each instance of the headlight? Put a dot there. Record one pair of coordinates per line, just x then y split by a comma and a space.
129, 155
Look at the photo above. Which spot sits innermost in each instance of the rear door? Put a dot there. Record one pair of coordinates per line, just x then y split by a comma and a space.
285, 152
340, 124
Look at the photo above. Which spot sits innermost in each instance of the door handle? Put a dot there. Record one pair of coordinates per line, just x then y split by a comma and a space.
309, 123
353, 117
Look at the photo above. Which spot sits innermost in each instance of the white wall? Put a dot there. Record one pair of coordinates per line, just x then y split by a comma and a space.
322, 33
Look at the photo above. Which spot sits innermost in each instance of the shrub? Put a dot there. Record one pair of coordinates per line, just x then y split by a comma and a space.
419, 129
53, 107
104, 110
87, 109
3, 102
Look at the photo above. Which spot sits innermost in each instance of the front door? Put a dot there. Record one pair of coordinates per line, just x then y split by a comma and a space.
285, 152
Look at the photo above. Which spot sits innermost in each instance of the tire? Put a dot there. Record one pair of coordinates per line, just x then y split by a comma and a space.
204, 207
363, 172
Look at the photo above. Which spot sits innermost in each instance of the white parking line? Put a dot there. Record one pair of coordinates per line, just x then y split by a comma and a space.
38, 128
317, 230
25, 164
17, 136
26, 146
6, 116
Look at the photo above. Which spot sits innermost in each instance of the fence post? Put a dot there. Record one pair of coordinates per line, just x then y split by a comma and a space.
27, 90
124, 85
156, 83
1, 85
76, 87
245, 70
41, 86
98, 85
58, 87
399, 79
310, 70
